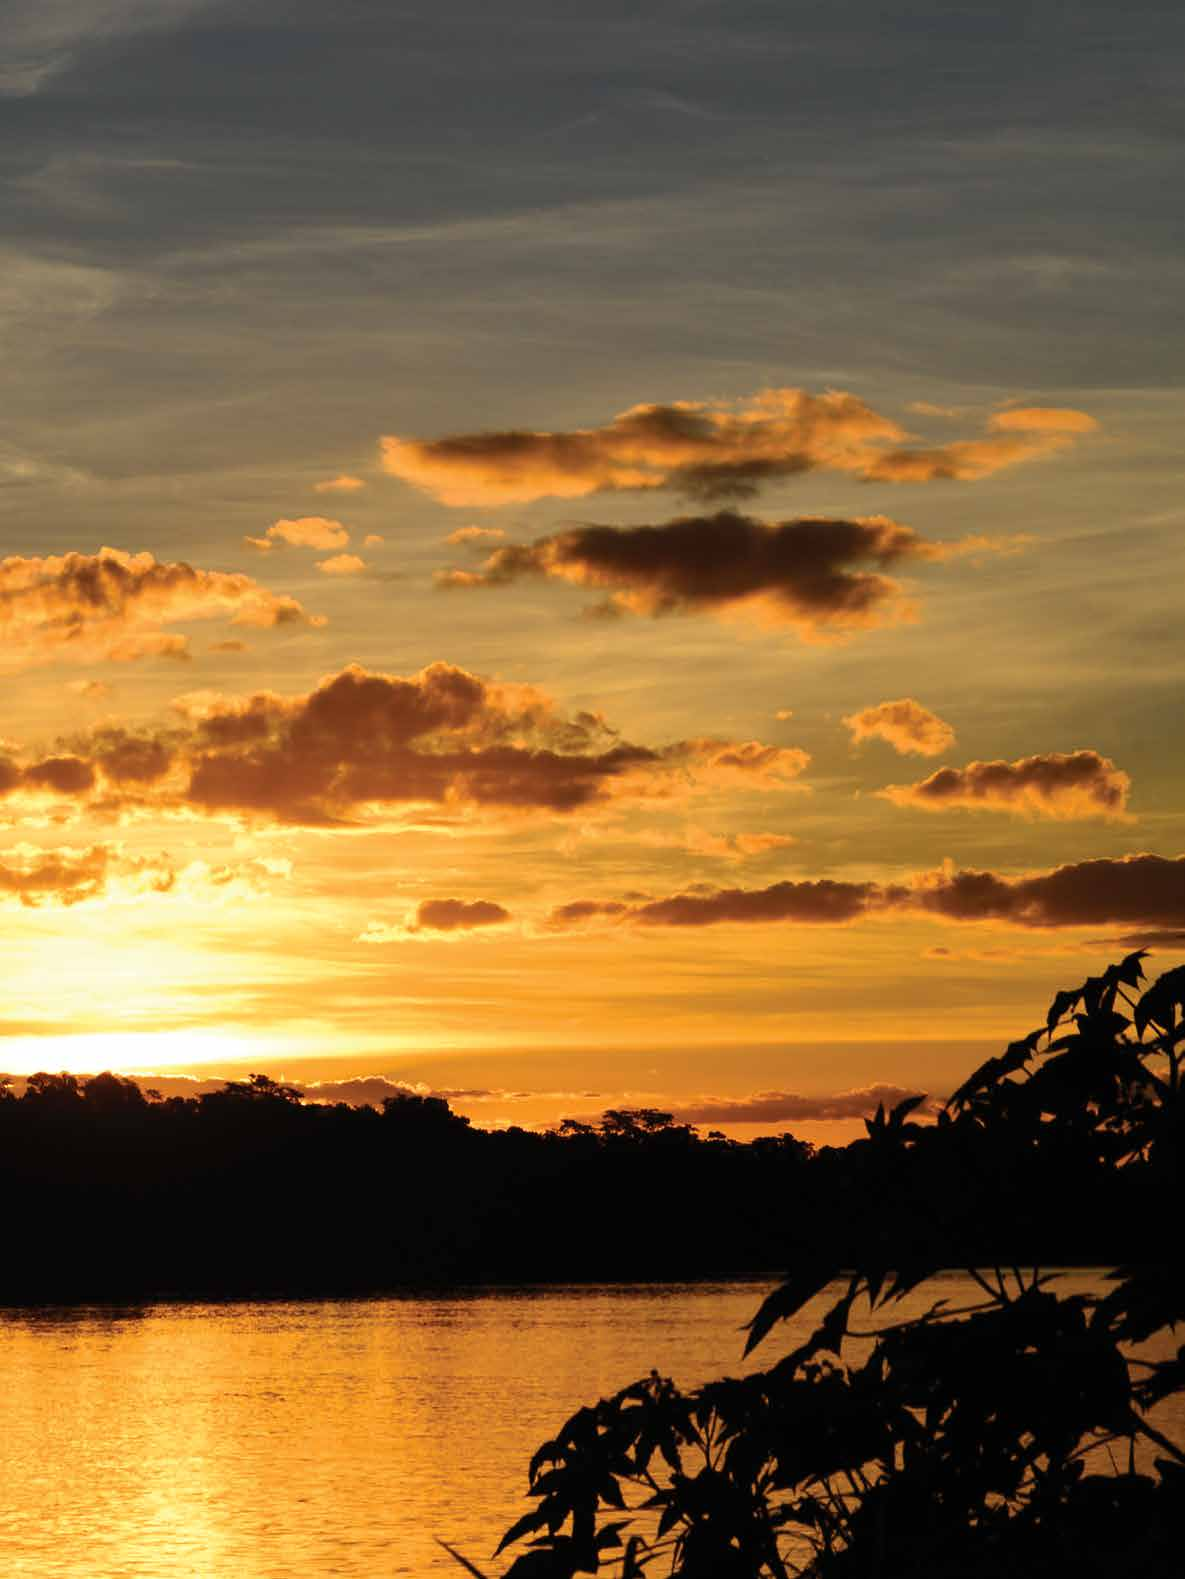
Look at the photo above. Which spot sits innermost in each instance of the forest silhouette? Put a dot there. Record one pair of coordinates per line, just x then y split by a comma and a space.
252, 1191
1015, 1437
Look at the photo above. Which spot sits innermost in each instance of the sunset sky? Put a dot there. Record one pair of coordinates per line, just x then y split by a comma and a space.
576, 556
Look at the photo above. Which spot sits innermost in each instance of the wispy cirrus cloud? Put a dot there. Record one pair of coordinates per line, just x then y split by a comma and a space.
715, 450
343, 483
824, 577
904, 724
1066, 786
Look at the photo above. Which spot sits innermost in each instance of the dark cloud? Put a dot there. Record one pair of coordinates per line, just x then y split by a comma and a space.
458, 915
1146, 890
788, 1107
1138, 890
823, 576
60, 775
1063, 785
364, 741
714, 451
811, 903
904, 724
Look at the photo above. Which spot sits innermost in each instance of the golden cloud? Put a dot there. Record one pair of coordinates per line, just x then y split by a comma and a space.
713, 450
307, 531
1067, 786
904, 724
343, 483
342, 565
85, 608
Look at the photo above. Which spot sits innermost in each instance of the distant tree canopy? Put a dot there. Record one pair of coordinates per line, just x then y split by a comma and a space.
250, 1189
1020, 1437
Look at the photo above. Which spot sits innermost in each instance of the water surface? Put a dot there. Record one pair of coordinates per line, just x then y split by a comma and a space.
287, 1441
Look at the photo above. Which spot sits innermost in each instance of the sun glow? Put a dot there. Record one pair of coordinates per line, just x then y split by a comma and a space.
130, 1052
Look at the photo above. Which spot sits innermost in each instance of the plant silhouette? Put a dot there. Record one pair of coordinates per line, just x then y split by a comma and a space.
1014, 1436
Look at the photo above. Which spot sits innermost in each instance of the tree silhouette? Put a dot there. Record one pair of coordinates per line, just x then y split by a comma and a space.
1014, 1436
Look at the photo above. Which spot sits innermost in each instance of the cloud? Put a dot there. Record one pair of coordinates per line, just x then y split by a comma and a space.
231, 645
307, 531
343, 483
1067, 786
36, 877
58, 877
444, 917
90, 690
712, 450
1146, 891
342, 565
734, 846
475, 534
373, 540
365, 744
780, 1107
86, 608
1042, 419
822, 576
821, 902
1022, 434
905, 724
1137, 890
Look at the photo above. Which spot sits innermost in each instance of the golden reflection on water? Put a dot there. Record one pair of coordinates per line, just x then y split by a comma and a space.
287, 1441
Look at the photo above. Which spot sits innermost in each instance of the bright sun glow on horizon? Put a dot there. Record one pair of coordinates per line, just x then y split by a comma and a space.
128, 1051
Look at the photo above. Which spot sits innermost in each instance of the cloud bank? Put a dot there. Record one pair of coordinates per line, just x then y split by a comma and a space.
363, 748
1134, 890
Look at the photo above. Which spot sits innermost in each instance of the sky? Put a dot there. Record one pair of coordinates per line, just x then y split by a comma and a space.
576, 556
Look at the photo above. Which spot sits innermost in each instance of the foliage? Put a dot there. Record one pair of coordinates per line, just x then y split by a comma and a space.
1013, 1436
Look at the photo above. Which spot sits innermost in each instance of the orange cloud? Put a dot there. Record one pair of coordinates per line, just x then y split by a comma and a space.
63, 877
712, 450
364, 743
475, 534
85, 608
1067, 786
307, 531
343, 483
905, 725
823, 577
342, 565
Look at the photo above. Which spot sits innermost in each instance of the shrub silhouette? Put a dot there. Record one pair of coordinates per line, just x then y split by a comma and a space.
1011, 1437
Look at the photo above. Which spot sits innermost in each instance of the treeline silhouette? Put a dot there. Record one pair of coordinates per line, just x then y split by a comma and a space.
115, 1193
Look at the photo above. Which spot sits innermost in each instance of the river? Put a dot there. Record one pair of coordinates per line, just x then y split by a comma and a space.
293, 1440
